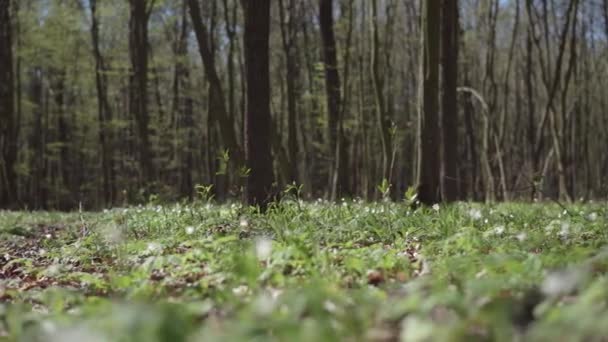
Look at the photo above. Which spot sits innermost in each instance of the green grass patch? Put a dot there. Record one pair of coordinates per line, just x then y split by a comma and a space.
306, 272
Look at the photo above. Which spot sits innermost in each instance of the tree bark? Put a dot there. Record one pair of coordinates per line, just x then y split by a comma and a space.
429, 151
138, 84
104, 113
8, 129
449, 101
382, 119
338, 173
257, 116
289, 34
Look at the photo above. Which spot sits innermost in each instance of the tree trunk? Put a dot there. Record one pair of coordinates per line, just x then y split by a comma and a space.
429, 169
8, 129
449, 105
338, 173
289, 32
257, 116
104, 113
138, 85
217, 98
382, 119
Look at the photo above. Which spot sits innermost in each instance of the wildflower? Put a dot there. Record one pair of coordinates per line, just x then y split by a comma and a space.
592, 216
240, 290
154, 247
189, 230
265, 303
330, 306
475, 214
244, 223
565, 230
561, 282
263, 248
436, 207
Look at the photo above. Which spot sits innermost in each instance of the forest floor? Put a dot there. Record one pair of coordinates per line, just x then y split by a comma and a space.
306, 272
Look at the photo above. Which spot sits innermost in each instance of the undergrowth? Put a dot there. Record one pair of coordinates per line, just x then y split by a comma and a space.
306, 271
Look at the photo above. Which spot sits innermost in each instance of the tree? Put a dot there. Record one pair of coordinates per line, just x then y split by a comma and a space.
8, 129
257, 115
104, 111
338, 173
428, 121
140, 11
449, 118
289, 35
217, 98
383, 118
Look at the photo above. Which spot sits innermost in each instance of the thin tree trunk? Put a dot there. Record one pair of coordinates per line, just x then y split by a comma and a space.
382, 119
338, 174
104, 113
429, 169
138, 84
289, 32
449, 105
217, 104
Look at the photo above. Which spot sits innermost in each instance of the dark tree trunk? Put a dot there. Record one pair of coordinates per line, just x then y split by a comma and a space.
138, 85
450, 104
8, 129
104, 113
257, 116
289, 31
429, 171
338, 173
183, 104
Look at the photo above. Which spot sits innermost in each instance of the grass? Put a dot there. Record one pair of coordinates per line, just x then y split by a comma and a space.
306, 272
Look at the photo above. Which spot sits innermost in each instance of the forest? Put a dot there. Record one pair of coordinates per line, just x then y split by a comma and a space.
303, 170
107, 103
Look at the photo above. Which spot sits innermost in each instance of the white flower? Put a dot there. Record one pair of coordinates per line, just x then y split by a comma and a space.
436, 207
565, 230
475, 214
263, 248
521, 236
330, 306
592, 216
112, 234
240, 290
265, 303
416, 329
499, 230
190, 230
244, 223
52, 270
154, 247
561, 282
